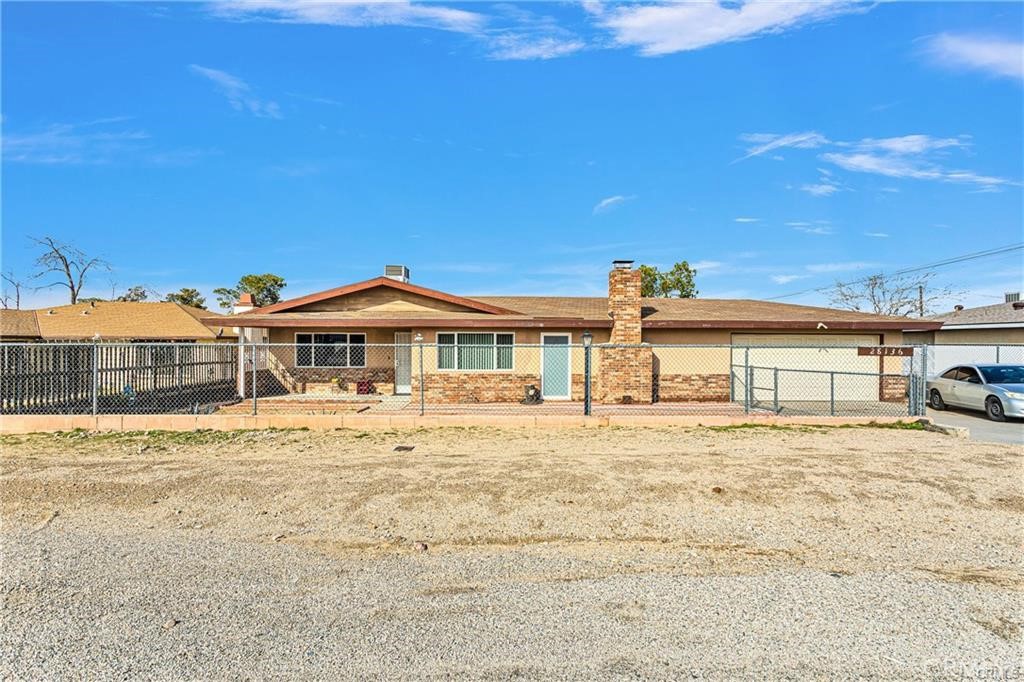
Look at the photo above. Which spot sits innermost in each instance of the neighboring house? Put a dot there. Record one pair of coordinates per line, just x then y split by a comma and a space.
115, 321
18, 325
475, 347
1002, 323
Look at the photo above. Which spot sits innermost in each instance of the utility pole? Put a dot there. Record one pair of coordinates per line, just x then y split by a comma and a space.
920, 300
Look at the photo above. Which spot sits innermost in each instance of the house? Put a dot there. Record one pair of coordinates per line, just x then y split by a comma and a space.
1002, 323
489, 348
115, 321
18, 325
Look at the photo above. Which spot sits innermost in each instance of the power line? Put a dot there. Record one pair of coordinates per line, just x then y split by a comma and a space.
905, 271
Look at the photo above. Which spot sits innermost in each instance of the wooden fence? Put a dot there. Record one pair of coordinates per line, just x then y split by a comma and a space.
115, 378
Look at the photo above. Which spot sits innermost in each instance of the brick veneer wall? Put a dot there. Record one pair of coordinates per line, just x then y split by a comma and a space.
626, 371
893, 389
297, 379
473, 387
691, 387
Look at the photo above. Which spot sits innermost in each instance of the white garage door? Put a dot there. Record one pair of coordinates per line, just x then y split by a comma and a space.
816, 356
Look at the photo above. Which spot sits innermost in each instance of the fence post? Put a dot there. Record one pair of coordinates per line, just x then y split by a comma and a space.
912, 402
832, 393
776, 372
422, 387
254, 379
923, 381
997, 353
746, 380
586, 380
95, 379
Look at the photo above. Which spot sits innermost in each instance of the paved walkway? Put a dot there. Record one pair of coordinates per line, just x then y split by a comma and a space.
980, 426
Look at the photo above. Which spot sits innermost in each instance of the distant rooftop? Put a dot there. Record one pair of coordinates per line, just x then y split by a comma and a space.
1000, 313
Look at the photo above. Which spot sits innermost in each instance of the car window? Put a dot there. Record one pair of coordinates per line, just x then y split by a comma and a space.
950, 374
1003, 374
969, 375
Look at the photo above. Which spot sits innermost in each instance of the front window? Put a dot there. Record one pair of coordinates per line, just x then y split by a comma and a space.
1003, 374
474, 351
330, 350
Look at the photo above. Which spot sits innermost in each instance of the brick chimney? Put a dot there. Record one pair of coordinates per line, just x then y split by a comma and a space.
244, 303
624, 302
626, 371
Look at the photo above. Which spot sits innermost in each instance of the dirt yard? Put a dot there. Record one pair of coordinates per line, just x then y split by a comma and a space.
589, 553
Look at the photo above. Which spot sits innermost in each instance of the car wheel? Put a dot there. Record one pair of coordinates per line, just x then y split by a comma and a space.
994, 409
935, 400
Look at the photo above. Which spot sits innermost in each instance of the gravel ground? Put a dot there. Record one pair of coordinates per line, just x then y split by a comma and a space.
577, 554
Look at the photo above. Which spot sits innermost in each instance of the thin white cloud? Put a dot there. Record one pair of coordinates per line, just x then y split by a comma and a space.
238, 92
893, 166
660, 29
608, 203
747, 220
766, 142
522, 46
821, 189
915, 156
909, 144
786, 279
877, 235
707, 266
850, 266
820, 230
995, 56
93, 142
352, 14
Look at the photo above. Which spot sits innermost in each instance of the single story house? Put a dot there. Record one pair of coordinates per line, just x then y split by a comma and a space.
488, 348
116, 321
1002, 323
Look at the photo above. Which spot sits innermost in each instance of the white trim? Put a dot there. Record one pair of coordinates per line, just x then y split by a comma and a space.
494, 346
568, 348
985, 325
312, 345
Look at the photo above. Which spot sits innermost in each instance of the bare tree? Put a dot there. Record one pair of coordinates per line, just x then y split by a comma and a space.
70, 264
11, 283
899, 295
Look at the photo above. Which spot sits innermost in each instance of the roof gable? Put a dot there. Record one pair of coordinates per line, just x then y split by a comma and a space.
409, 297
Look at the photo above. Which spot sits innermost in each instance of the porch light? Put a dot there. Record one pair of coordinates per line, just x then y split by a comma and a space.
588, 338
418, 338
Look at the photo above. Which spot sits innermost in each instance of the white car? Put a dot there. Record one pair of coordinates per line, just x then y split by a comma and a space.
997, 390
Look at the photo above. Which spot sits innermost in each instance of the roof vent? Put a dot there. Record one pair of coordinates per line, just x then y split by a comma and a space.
399, 273
622, 264
958, 308
1012, 296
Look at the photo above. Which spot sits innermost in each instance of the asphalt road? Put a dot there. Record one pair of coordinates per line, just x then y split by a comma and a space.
981, 428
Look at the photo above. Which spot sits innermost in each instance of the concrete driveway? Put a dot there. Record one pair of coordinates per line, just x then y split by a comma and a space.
982, 428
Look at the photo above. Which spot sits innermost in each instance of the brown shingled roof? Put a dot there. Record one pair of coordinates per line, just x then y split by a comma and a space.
111, 320
18, 324
571, 311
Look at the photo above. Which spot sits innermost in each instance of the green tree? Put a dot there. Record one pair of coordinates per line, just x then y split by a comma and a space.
134, 295
265, 290
679, 282
187, 296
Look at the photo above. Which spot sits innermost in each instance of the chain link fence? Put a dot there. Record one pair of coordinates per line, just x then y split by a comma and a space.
481, 373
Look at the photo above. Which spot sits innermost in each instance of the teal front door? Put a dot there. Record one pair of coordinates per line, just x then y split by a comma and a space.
555, 366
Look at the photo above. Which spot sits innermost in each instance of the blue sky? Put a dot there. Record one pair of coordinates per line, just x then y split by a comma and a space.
515, 148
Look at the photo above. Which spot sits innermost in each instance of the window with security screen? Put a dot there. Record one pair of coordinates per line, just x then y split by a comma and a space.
330, 350
475, 351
